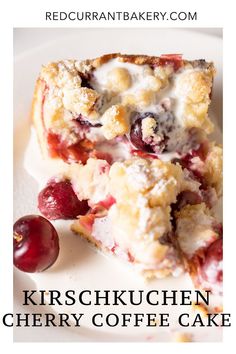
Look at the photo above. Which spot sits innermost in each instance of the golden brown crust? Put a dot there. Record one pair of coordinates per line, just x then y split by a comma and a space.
36, 115
77, 228
149, 60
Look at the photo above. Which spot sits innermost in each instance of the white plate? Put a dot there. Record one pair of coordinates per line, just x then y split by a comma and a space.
79, 266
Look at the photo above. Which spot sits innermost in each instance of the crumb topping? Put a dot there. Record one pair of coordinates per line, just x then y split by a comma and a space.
144, 190
159, 181
62, 74
213, 168
194, 88
149, 124
195, 228
112, 81
115, 122
81, 101
118, 80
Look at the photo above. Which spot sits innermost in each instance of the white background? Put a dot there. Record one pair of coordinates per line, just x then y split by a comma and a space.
31, 14
22, 39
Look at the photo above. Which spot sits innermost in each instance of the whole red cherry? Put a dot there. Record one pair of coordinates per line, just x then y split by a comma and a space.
35, 244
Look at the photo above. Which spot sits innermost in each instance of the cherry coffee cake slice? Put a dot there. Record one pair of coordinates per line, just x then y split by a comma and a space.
141, 179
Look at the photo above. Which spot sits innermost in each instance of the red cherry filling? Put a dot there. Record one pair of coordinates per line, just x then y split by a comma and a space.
108, 202
187, 162
211, 267
201, 152
87, 222
102, 156
78, 152
143, 154
58, 201
187, 197
35, 243
172, 59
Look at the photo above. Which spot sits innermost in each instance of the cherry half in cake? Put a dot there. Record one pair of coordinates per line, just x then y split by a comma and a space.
58, 201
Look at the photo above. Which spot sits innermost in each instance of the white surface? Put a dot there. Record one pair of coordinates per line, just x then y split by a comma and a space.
79, 266
23, 37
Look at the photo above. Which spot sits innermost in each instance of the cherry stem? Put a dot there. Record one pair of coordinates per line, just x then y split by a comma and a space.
17, 237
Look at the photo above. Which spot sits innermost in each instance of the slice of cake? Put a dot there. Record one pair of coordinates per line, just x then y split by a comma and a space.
141, 178
155, 105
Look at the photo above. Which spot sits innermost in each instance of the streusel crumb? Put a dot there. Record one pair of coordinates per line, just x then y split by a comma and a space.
119, 79
194, 88
115, 122
213, 167
195, 228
